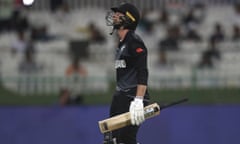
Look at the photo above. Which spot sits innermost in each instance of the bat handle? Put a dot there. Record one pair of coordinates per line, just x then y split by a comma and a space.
173, 103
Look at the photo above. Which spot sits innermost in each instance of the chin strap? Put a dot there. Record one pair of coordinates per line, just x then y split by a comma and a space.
113, 30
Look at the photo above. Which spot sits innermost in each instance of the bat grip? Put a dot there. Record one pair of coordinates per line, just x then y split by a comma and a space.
173, 103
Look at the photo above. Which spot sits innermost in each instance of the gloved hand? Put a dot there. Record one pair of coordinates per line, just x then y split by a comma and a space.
136, 110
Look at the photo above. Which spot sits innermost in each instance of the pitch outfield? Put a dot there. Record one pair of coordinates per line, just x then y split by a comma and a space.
196, 96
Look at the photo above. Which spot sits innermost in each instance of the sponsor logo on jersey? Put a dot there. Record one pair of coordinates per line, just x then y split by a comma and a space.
139, 50
120, 64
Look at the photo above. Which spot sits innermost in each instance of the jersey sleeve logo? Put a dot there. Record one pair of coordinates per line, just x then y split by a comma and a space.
139, 50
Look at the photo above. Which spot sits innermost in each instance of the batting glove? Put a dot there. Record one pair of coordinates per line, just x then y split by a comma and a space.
136, 110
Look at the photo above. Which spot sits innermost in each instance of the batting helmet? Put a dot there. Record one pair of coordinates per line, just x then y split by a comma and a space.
131, 16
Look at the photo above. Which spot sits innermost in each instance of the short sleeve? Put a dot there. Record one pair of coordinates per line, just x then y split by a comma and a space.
137, 49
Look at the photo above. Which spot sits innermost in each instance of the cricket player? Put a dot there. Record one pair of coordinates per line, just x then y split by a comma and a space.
131, 71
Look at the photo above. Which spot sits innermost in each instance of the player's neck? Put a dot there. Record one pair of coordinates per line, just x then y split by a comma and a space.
122, 34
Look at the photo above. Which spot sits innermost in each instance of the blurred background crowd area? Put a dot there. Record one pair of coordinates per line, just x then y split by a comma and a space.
63, 47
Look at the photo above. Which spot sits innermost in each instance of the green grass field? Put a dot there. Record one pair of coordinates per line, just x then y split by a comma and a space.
196, 96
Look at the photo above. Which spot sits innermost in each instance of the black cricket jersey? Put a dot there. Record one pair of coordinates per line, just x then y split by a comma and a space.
131, 62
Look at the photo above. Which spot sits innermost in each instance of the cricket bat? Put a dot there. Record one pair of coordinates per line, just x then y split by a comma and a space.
123, 120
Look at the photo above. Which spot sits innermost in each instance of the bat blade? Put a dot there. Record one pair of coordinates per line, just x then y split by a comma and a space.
123, 120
